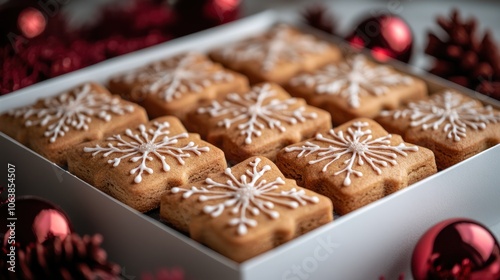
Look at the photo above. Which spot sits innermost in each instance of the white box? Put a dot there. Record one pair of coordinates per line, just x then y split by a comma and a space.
374, 241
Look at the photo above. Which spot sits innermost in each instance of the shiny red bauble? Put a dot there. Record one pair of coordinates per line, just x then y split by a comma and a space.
196, 15
457, 249
32, 220
387, 36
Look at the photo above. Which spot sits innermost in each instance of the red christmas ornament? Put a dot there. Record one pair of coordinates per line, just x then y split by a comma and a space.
196, 15
388, 36
39, 46
457, 249
31, 22
36, 221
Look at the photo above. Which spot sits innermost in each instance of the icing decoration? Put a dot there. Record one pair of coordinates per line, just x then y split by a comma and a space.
352, 79
255, 109
450, 111
71, 110
358, 145
250, 194
145, 146
174, 77
281, 46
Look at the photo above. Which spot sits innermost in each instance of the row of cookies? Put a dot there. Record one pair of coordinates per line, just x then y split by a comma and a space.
454, 126
226, 209
315, 71
244, 122
109, 143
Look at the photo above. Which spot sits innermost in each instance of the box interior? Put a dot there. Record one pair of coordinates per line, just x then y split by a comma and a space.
374, 241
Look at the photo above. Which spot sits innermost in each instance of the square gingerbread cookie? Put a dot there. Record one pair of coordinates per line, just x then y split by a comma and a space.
276, 55
355, 164
246, 210
258, 122
454, 126
175, 85
137, 165
56, 124
356, 87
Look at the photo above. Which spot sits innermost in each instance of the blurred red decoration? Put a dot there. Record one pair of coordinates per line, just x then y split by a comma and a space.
457, 249
31, 22
40, 46
388, 36
196, 15
36, 221
221, 9
73, 257
59, 50
462, 57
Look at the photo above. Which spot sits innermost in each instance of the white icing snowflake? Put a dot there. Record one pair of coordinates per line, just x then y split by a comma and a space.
248, 195
352, 79
255, 109
281, 46
145, 146
174, 77
71, 110
450, 110
358, 146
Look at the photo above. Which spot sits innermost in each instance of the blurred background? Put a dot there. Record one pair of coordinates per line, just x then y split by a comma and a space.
42, 39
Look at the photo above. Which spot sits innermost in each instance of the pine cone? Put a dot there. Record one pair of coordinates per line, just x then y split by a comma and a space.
463, 58
317, 16
71, 258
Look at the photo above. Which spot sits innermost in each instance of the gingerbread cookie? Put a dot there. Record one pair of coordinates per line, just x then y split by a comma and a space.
246, 210
54, 125
356, 88
454, 126
277, 55
175, 85
355, 164
259, 122
139, 164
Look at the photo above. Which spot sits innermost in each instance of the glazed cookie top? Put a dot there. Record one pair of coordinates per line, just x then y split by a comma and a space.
251, 189
358, 149
162, 145
249, 197
282, 44
75, 110
351, 80
172, 78
448, 113
266, 107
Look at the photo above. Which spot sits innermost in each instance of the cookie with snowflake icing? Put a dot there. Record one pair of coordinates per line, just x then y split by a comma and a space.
355, 164
356, 87
276, 55
454, 126
55, 124
173, 86
248, 204
258, 122
137, 165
